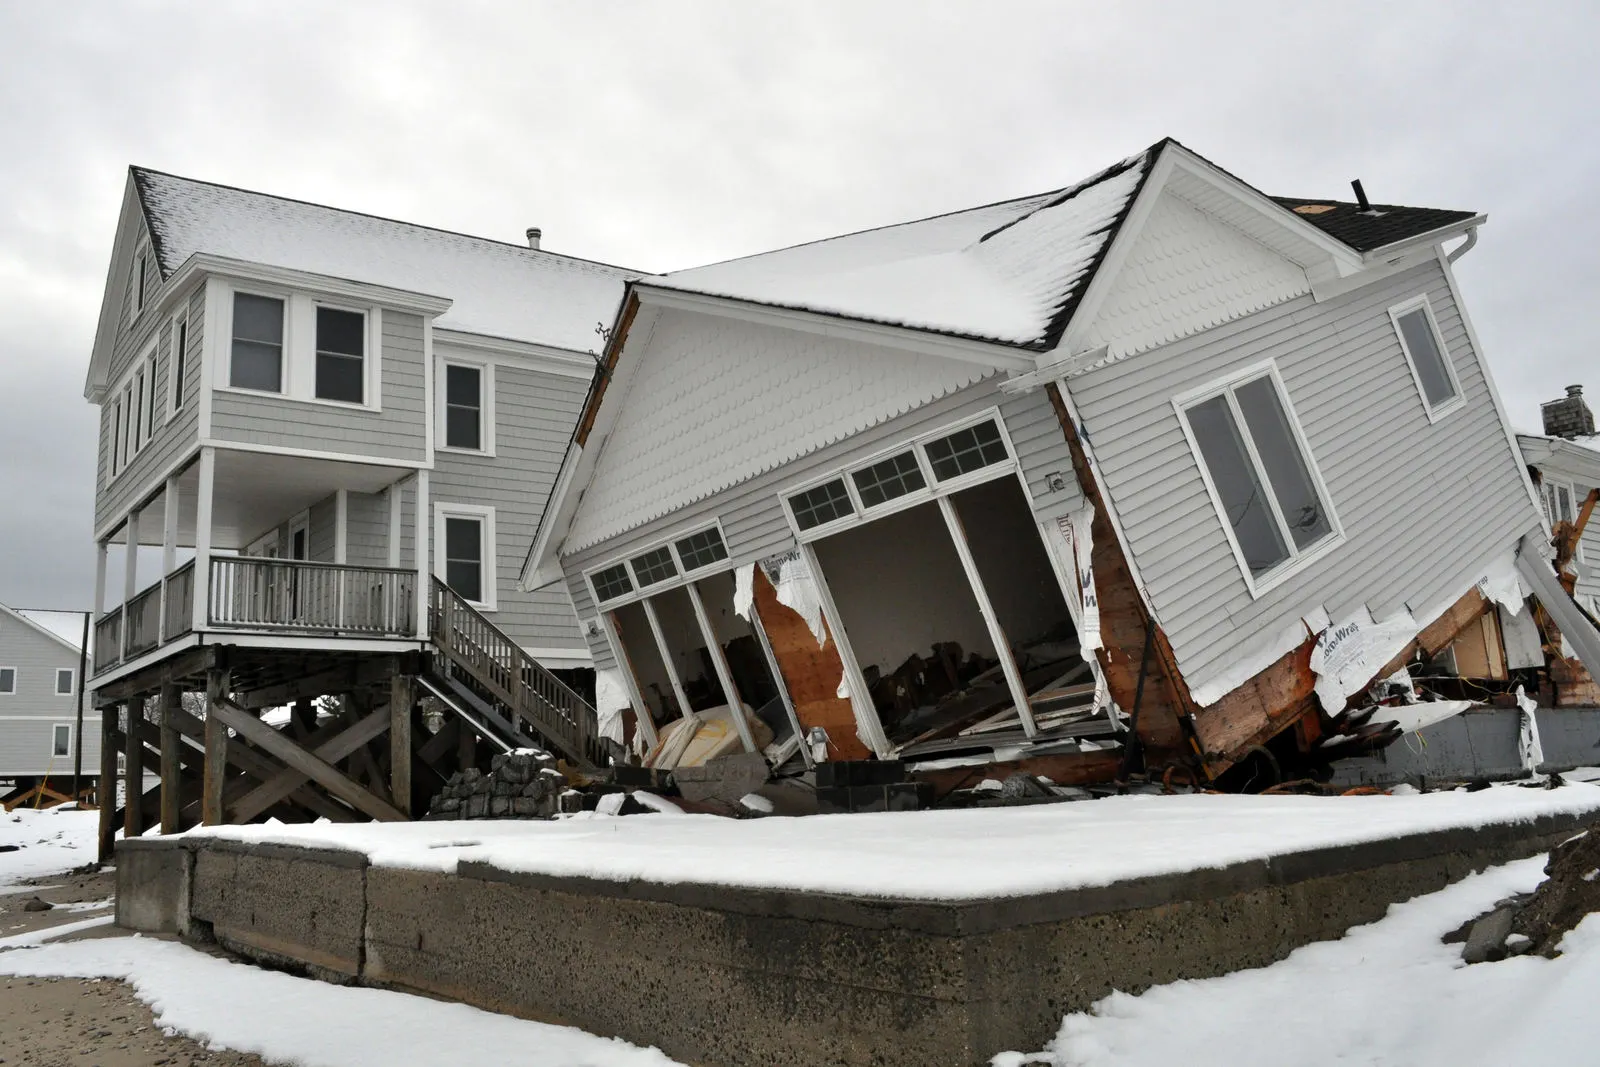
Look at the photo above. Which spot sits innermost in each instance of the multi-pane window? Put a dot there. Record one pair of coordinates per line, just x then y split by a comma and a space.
341, 349
1424, 348
1260, 475
888, 479
701, 549
1558, 506
654, 566
257, 353
463, 406
64, 679
180, 359
61, 740
463, 557
966, 450
820, 505
8, 680
611, 583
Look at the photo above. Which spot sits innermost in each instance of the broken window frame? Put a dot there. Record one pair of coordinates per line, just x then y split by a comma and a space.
642, 590
1457, 399
1298, 558
1550, 490
931, 489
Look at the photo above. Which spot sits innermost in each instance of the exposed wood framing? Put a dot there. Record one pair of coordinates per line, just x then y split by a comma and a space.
607, 369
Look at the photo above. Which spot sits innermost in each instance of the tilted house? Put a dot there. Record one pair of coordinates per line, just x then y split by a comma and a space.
339, 430
1566, 462
39, 662
1230, 444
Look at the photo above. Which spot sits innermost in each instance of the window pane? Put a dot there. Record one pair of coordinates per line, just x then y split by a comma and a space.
8, 679
894, 477
654, 566
1564, 504
340, 378
701, 549
257, 318
1287, 471
257, 366
461, 428
612, 582
63, 682
341, 331
180, 357
1237, 484
63, 741
150, 422
1425, 354
461, 385
966, 450
825, 503
463, 557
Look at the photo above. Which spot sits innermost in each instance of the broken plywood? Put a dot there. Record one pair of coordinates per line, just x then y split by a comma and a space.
811, 673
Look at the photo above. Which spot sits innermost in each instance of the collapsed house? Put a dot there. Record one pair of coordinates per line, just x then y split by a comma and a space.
1154, 458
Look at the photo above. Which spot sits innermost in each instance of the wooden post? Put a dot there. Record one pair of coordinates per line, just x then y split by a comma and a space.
305, 714
133, 773
216, 765
402, 697
171, 799
105, 788
466, 746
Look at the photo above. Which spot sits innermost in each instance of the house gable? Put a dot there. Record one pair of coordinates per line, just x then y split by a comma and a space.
116, 302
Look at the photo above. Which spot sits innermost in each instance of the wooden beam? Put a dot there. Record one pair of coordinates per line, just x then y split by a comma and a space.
216, 765
171, 798
275, 744
1584, 514
338, 679
262, 769
133, 772
332, 750
402, 701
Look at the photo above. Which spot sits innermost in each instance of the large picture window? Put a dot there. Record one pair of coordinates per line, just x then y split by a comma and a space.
1425, 351
257, 361
1259, 473
341, 352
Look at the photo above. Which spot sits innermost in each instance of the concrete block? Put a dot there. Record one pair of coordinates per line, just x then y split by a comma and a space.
154, 877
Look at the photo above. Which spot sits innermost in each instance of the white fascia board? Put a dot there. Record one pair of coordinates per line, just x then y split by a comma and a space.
1562, 457
1377, 271
541, 568
1423, 240
563, 361
105, 334
242, 270
906, 338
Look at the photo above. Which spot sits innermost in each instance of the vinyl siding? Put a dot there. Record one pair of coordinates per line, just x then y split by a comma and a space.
396, 432
28, 717
367, 535
1424, 507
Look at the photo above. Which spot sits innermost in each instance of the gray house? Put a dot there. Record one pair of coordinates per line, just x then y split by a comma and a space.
337, 432
1155, 441
39, 661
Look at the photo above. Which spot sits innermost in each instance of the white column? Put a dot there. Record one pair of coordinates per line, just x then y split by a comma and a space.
130, 572
394, 525
719, 663
101, 550
202, 537
421, 539
169, 528
666, 659
341, 526
641, 710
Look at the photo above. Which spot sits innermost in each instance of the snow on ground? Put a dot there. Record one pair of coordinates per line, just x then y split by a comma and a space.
50, 842
313, 1024
1386, 995
932, 855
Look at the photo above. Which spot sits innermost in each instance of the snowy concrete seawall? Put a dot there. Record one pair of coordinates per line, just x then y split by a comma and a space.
735, 968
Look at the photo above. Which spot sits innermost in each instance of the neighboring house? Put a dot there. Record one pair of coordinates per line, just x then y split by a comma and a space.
1226, 436
39, 660
1566, 462
315, 413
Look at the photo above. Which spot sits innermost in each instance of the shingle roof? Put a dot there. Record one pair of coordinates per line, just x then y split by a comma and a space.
498, 289
1382, 224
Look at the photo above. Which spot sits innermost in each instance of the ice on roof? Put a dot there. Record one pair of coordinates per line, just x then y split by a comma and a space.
67, 625
497, 289
1003, 272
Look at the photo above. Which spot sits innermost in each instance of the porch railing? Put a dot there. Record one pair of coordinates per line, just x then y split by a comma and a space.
108, 639
142, 617
178, 615
295, 595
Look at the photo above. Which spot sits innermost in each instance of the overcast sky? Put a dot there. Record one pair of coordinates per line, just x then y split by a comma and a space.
661, 135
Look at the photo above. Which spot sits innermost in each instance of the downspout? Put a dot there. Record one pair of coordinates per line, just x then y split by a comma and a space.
1465, 247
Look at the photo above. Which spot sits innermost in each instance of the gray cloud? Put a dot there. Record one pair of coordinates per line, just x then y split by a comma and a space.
662, 135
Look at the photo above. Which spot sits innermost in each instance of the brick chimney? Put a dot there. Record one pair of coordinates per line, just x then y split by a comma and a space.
1568, 417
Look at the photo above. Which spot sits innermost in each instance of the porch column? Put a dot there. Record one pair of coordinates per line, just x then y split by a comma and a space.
341, 526
666, 659
719, 663
394, 525
169, 546
101, 550
424, 590
202, 537
130, 572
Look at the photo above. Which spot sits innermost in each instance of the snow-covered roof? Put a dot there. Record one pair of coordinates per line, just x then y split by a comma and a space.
1007, 272
498, 289
64, 626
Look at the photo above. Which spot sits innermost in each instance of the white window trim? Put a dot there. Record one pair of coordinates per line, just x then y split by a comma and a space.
443, 510
54, 728
1299, 559
1459, 400
135, 412
486, 417
16, 681
298, 364
72, 681
174, 402
932, 491
683, 577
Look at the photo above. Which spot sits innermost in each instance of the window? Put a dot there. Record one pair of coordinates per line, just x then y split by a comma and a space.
463, 410
701, 549
139, 267
341, 349
61, 740
116, 436
654, 566
8, 681
891, 478
257, 361
465, 552
150, 397
611, 583
966, 450
180, 358
820, 505
1258, 472
64, 679
1424, 349
1558, 503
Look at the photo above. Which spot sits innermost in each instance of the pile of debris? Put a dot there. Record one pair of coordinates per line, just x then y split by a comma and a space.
520, 785
1570, 891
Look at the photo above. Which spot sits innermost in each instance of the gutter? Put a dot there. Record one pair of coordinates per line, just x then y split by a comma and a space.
1432, 237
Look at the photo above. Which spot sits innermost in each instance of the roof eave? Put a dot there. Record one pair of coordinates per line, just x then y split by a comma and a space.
1431, 237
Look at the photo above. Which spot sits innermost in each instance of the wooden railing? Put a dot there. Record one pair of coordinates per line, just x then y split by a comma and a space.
108, 639
498, 666
142, 617
277, 594
178, 614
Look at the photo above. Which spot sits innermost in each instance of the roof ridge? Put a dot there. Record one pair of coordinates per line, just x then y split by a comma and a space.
137, 170
1071, 191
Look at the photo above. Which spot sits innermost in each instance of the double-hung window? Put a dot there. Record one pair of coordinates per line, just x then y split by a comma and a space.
464, 390
466, 552
1431, 368
257, 352
8, 681
61, 740
1259, 472
341, 355
64, 679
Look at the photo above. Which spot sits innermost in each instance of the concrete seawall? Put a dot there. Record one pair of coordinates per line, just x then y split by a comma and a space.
732, 977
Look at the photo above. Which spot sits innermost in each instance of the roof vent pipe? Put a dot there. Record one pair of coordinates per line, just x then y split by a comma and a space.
1361, 195
534, 233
